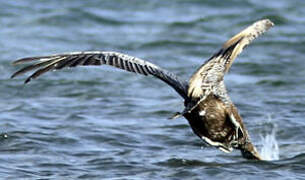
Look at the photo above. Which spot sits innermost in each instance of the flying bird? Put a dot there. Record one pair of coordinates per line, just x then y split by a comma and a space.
208, 108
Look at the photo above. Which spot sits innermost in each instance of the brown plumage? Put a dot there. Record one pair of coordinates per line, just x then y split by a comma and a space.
208, 108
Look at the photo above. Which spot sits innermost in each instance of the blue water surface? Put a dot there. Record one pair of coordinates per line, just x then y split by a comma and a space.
102, 123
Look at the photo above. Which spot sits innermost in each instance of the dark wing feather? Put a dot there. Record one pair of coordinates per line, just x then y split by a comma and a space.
132, 64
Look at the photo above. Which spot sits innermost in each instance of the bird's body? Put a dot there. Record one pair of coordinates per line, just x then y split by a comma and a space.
208, 108
211, 121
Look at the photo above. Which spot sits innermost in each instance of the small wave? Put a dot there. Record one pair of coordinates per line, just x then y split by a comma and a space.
166, 43
178, 162
274, 83
270, 150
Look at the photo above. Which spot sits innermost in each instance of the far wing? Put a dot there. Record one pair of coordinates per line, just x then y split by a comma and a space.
44, 64
213, 70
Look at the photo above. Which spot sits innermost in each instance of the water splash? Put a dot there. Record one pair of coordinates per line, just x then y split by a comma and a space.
270, 150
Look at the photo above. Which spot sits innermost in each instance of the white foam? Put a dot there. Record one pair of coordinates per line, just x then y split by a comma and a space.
270, 149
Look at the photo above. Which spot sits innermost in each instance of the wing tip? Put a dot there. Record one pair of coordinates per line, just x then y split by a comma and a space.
23, 60
251, 32
267, 22
263, 25
13, 76
17, 74
27, 80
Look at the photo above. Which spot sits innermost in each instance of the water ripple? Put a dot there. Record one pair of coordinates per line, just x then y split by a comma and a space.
99, 123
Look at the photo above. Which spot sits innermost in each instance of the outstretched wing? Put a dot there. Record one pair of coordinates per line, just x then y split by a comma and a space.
213, 70
132, 64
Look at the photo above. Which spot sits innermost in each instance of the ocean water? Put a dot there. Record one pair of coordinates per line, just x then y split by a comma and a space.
102, 123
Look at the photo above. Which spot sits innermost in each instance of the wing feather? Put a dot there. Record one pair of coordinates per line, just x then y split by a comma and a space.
122, 61
214, 69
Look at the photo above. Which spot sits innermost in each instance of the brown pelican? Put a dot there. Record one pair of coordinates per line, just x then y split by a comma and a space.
208, 108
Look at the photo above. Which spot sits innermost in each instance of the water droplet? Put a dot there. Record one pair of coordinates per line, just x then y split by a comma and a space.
270, 150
